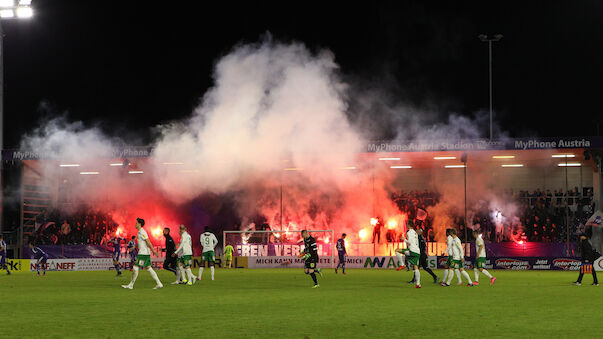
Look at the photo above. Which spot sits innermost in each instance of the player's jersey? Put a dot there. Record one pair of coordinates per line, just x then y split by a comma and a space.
143, 248
480, 242
3, 248
117, 244
341, 246
208, 241
38, 253
449, 241
412, 241
186, 244
131, 245
457, 249
311, 248
228, 250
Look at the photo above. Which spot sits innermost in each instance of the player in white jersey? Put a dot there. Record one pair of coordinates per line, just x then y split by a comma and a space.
480, 259
448, 270
143, 259
414, 252
209, 242
185, 257
458, 259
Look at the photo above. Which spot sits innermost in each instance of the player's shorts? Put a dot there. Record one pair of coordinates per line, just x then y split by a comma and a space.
310, 263
43, 259
341, 257
228, 257
208, 256
449, 261
480, 262
457, 264
116, 256
143, 260
186, 260
2, 260
413, 258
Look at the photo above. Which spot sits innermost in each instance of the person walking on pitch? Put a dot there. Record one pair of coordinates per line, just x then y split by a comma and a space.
342, 253
480, 259
143, 259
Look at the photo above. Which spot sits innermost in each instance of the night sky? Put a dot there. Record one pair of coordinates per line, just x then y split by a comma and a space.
129, 68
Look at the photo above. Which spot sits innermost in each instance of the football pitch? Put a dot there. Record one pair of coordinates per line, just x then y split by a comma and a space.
279, 303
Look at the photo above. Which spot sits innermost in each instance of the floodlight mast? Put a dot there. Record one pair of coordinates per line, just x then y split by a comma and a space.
9, 10
489, 40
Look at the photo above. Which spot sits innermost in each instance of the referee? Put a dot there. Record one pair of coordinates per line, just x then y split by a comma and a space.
588, 258
423, 257
170, 260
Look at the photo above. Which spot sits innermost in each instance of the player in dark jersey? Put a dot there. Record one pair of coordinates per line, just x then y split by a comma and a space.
41, 256
116, 241
342, 253
3, 255
310, 255
131, 249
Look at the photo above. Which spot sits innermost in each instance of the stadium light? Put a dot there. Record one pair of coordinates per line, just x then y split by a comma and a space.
348, 168
89, 173
512, 165
7, 3
444, 158
293, 169
115, 164
69, 165
563, 156
389, 159
135, 172
503, 157
7, 13
400, 166
569, 164
455, 166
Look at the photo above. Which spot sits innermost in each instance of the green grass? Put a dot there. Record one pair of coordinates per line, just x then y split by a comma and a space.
280, 303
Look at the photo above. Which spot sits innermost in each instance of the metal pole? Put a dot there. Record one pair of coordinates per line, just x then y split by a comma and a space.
281, 206
490, 79
567, 237
465, 182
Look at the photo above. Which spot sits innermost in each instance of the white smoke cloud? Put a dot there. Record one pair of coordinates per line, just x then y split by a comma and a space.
273, 106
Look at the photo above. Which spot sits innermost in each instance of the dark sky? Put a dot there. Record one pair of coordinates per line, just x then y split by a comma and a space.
130, 68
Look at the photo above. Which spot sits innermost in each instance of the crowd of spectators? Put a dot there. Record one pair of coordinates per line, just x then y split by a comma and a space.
82, 227
540, 215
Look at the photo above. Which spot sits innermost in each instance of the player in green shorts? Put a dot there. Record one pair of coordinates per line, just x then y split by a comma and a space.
143, 260
414, 252
185, 257
480, 259
209, 242
228, 250
458, 260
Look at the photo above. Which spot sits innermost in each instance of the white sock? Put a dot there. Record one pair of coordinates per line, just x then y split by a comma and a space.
450, 275
476, 274
154, 275
400, 259
134, 275
190, 274
458, 275
487, 274
212, 272
445, 275
200, 272
417, 277
466, 275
